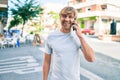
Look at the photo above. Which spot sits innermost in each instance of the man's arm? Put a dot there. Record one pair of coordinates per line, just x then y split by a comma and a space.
46, 66
87, 50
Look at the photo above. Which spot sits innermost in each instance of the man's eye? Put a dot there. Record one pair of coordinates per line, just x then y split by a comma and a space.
64, 16
70, 17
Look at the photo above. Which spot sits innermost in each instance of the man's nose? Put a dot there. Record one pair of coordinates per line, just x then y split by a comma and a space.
67, 18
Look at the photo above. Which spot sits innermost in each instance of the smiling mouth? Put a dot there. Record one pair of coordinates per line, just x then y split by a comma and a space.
66, 23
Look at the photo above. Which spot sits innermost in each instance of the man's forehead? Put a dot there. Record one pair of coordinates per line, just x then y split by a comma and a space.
69, 14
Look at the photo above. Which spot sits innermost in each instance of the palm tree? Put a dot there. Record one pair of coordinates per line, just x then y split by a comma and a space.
24, 12
16, 21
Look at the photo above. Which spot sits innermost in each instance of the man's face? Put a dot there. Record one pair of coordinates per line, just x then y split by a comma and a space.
66, 20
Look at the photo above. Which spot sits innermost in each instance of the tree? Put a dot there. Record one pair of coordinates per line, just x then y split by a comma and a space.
16, 21
55, 16
23, 12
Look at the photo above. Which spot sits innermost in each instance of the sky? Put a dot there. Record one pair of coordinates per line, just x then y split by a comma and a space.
62, 2
43, 2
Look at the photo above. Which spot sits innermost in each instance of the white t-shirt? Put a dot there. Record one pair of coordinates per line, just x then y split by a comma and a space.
64, 48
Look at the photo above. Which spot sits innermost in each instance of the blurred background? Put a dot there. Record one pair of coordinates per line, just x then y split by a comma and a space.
25, 24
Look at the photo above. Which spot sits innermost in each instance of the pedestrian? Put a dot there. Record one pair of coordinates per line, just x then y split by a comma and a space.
62, 49
37, 40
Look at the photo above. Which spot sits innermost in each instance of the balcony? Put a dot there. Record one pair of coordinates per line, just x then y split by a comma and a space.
100, 2
99, 13
3, 6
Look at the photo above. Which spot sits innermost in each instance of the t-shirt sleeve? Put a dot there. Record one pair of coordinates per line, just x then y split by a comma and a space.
48, 48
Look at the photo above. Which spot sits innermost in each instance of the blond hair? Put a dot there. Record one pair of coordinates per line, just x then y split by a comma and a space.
68, 10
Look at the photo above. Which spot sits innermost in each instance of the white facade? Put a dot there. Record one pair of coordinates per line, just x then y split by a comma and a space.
106, 11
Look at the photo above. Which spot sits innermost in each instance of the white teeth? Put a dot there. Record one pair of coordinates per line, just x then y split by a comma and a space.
66, 23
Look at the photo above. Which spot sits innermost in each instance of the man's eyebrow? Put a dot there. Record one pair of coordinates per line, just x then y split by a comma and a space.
63, 14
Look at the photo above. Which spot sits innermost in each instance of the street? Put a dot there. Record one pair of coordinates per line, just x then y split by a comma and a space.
25, 62
107, 63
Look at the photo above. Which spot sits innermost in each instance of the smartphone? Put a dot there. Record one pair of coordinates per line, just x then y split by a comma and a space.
73, 24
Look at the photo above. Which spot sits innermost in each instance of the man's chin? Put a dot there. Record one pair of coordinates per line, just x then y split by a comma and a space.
67, 28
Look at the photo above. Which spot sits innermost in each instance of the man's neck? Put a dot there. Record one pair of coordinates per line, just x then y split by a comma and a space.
64, 31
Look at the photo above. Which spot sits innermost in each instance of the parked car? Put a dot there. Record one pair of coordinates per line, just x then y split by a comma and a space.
88, 31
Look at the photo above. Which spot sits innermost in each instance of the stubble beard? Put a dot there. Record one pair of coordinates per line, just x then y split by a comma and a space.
66, 25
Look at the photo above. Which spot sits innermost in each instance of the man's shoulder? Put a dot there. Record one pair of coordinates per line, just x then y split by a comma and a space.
56, 32
53, 34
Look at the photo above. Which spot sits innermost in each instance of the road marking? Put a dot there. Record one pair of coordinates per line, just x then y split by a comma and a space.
14, 65
27, 64
27, 60
89, 74
29, 70
19, 65
13, 62
19, 58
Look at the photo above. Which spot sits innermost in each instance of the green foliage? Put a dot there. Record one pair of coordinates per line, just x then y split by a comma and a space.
31, 32
24, 12
17, 20
54, 15
41, 27
82, 24
92, 18
80, 19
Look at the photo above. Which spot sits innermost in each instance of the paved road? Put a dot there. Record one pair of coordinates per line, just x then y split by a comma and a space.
107, 64
25, 63
108, 48
22, 63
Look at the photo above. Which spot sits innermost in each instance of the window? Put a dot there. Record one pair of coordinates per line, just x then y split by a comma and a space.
78, 1
104, 7
88, 9
104, 20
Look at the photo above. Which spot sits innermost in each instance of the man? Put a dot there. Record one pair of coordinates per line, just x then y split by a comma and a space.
62, 54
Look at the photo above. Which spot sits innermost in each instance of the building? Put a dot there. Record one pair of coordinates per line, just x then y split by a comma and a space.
97, 14
3, 14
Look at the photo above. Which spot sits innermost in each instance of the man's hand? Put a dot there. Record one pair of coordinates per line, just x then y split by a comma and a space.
77, 29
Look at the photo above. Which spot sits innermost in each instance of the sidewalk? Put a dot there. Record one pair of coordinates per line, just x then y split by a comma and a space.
109, 48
